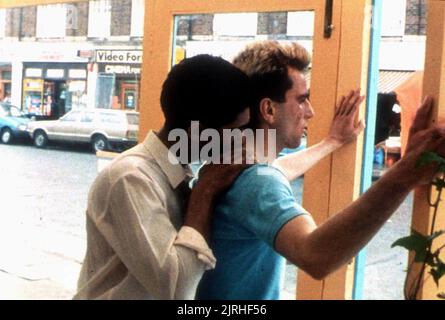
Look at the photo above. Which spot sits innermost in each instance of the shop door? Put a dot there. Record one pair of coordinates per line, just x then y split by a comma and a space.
130, 96
339, 41
54, 96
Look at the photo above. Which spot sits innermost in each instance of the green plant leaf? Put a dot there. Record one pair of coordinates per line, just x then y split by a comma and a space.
427, 158
438, 271
415, 242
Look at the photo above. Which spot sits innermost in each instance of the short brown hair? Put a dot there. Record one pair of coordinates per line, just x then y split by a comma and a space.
267, 63
269, 56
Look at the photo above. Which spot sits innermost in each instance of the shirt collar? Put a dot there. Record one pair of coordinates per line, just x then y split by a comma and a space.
176, 173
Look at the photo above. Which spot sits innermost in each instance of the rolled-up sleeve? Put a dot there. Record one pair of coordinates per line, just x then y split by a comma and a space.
168, 264
192, 239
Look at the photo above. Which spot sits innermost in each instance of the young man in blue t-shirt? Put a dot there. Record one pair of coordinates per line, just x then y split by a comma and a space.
257, 223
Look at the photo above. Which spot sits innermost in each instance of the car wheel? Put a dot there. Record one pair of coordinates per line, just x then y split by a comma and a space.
99, 143
6, 136
40, 139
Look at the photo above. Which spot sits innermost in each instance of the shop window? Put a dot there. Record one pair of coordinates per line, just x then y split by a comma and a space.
393, 18
99, 19
51, 21
137, 18
2, 23
235, 24
6, 75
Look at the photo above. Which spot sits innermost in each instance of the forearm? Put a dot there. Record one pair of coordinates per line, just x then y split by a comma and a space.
341, 237
296, 164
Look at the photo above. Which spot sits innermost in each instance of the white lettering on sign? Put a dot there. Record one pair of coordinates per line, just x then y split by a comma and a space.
115, 56
122, 69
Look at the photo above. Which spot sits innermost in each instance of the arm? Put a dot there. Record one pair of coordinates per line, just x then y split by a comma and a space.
137, 225
320, 251
343, 130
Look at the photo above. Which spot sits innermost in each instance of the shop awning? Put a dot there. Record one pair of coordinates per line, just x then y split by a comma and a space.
389, 80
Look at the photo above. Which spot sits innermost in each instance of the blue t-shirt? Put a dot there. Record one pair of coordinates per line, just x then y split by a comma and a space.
246, 221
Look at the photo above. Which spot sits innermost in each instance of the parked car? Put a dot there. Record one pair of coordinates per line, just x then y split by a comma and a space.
13, 123
104, 129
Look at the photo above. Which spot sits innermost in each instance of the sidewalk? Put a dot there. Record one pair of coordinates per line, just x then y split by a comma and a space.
28, 272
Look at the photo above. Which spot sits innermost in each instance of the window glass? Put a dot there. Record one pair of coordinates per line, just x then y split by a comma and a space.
15, 112
72, 116
133, 119
87, 117
51, 21
109, 118
225, 35
2, 23
393, 18
137, 18
99, 19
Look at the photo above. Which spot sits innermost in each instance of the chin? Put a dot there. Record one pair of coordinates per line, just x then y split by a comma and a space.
294, 144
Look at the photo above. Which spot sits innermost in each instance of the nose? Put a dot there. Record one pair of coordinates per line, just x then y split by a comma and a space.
309, 112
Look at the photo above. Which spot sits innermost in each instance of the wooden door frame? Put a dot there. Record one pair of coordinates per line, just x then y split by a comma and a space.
339, 64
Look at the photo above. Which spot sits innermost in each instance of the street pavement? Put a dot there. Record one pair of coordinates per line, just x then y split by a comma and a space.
43, 196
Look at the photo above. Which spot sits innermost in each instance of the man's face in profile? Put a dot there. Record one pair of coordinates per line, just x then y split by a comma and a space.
294, 113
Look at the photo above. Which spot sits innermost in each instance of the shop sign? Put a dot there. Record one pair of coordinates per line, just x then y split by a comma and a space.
33, 73
55, 73
119, 56
77, 74
122, 69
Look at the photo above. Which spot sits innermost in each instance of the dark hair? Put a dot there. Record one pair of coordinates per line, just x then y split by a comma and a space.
206, 89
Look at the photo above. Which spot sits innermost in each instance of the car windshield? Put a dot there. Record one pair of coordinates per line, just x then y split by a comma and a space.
133, 119
10, 111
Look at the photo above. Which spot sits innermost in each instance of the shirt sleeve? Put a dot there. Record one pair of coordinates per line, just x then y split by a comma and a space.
265, 202
169, 264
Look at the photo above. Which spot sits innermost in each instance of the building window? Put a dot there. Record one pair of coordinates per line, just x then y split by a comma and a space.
2, 23
393, 18
300, 23
51, 21
235, 24
99, 19
137, 18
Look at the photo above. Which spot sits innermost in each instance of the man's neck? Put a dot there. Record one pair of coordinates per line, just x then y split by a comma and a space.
163, 136
265, 152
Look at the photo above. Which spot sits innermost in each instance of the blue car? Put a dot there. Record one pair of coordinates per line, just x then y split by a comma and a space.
13, 123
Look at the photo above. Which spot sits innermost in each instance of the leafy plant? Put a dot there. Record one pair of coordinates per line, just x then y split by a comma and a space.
420, 244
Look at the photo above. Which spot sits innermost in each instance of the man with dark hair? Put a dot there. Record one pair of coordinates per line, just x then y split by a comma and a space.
143, 241
257, 223
192, 92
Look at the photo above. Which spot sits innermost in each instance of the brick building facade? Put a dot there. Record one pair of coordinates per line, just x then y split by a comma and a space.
415, 17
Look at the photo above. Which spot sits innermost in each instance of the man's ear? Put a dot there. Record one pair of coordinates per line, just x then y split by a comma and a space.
267, 110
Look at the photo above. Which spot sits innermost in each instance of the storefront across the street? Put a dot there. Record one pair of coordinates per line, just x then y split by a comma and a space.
53, 89
118, 82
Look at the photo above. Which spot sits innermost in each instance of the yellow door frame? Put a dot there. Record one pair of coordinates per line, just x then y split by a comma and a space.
339, 64
434, 85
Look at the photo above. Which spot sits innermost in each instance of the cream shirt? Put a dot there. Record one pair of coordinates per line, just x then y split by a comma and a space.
137, 247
